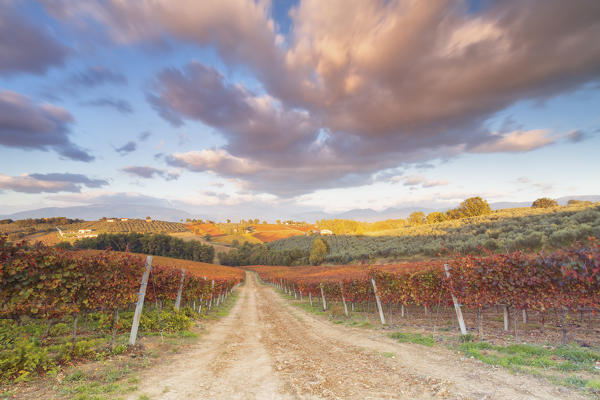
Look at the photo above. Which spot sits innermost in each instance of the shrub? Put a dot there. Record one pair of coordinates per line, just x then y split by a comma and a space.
23, 358
166, 321
544, 202
59, 329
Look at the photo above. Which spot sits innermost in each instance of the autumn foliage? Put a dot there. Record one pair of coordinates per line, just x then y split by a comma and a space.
47, 283
568, 278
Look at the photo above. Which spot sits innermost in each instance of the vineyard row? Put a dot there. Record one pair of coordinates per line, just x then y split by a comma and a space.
564, 280
48, 283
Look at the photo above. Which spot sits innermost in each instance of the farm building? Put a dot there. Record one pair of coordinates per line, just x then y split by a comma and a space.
326, 232
124, 219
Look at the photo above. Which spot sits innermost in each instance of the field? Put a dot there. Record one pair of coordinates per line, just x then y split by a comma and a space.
131, 225
193, 236
532, 313
46, 232
235, 237
205, 229
501, 231
66, 306
249, 232
330, 341
529, 318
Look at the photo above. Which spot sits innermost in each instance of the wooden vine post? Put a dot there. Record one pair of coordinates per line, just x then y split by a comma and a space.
323, 297
180, 290
344, 300
459, 316
381, 317
140, 302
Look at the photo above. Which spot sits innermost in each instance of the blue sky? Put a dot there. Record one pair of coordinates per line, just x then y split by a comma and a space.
296, 105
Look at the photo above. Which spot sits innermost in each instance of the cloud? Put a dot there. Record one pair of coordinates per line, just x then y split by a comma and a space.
517, 141
428, 184
143, 136
577, 136
358, 87
122, 106
214, 160
254, 125
537, 186
146, 172
95, 76
24, 47
240, 30
49, 183
126, 148
30, 126
131, 146
417, 180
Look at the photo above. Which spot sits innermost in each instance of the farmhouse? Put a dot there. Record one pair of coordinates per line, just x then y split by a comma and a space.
84, 231
326, 232
110, 220
124, 219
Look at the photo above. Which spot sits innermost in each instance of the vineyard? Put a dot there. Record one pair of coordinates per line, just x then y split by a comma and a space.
516, 283
45, 229
129, 225
46, 289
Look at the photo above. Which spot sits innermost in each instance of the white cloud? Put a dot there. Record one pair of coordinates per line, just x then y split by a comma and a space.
516, 141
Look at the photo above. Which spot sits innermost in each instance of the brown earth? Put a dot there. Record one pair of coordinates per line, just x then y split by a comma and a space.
267, 349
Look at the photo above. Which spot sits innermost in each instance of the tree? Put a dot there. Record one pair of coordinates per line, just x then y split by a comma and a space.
544, 202
473, 207
228, 221
435, 217
416, 218
317, 253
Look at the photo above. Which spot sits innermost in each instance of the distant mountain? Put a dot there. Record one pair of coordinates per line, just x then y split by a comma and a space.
363, 214
97, 211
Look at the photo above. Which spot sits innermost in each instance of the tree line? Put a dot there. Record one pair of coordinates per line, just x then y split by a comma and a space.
149, 243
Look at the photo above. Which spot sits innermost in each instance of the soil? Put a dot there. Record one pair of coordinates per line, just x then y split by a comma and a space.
267, 349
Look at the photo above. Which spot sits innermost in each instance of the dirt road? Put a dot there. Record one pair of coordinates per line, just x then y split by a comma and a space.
268, 349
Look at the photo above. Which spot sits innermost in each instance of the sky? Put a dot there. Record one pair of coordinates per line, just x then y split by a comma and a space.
249, 106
